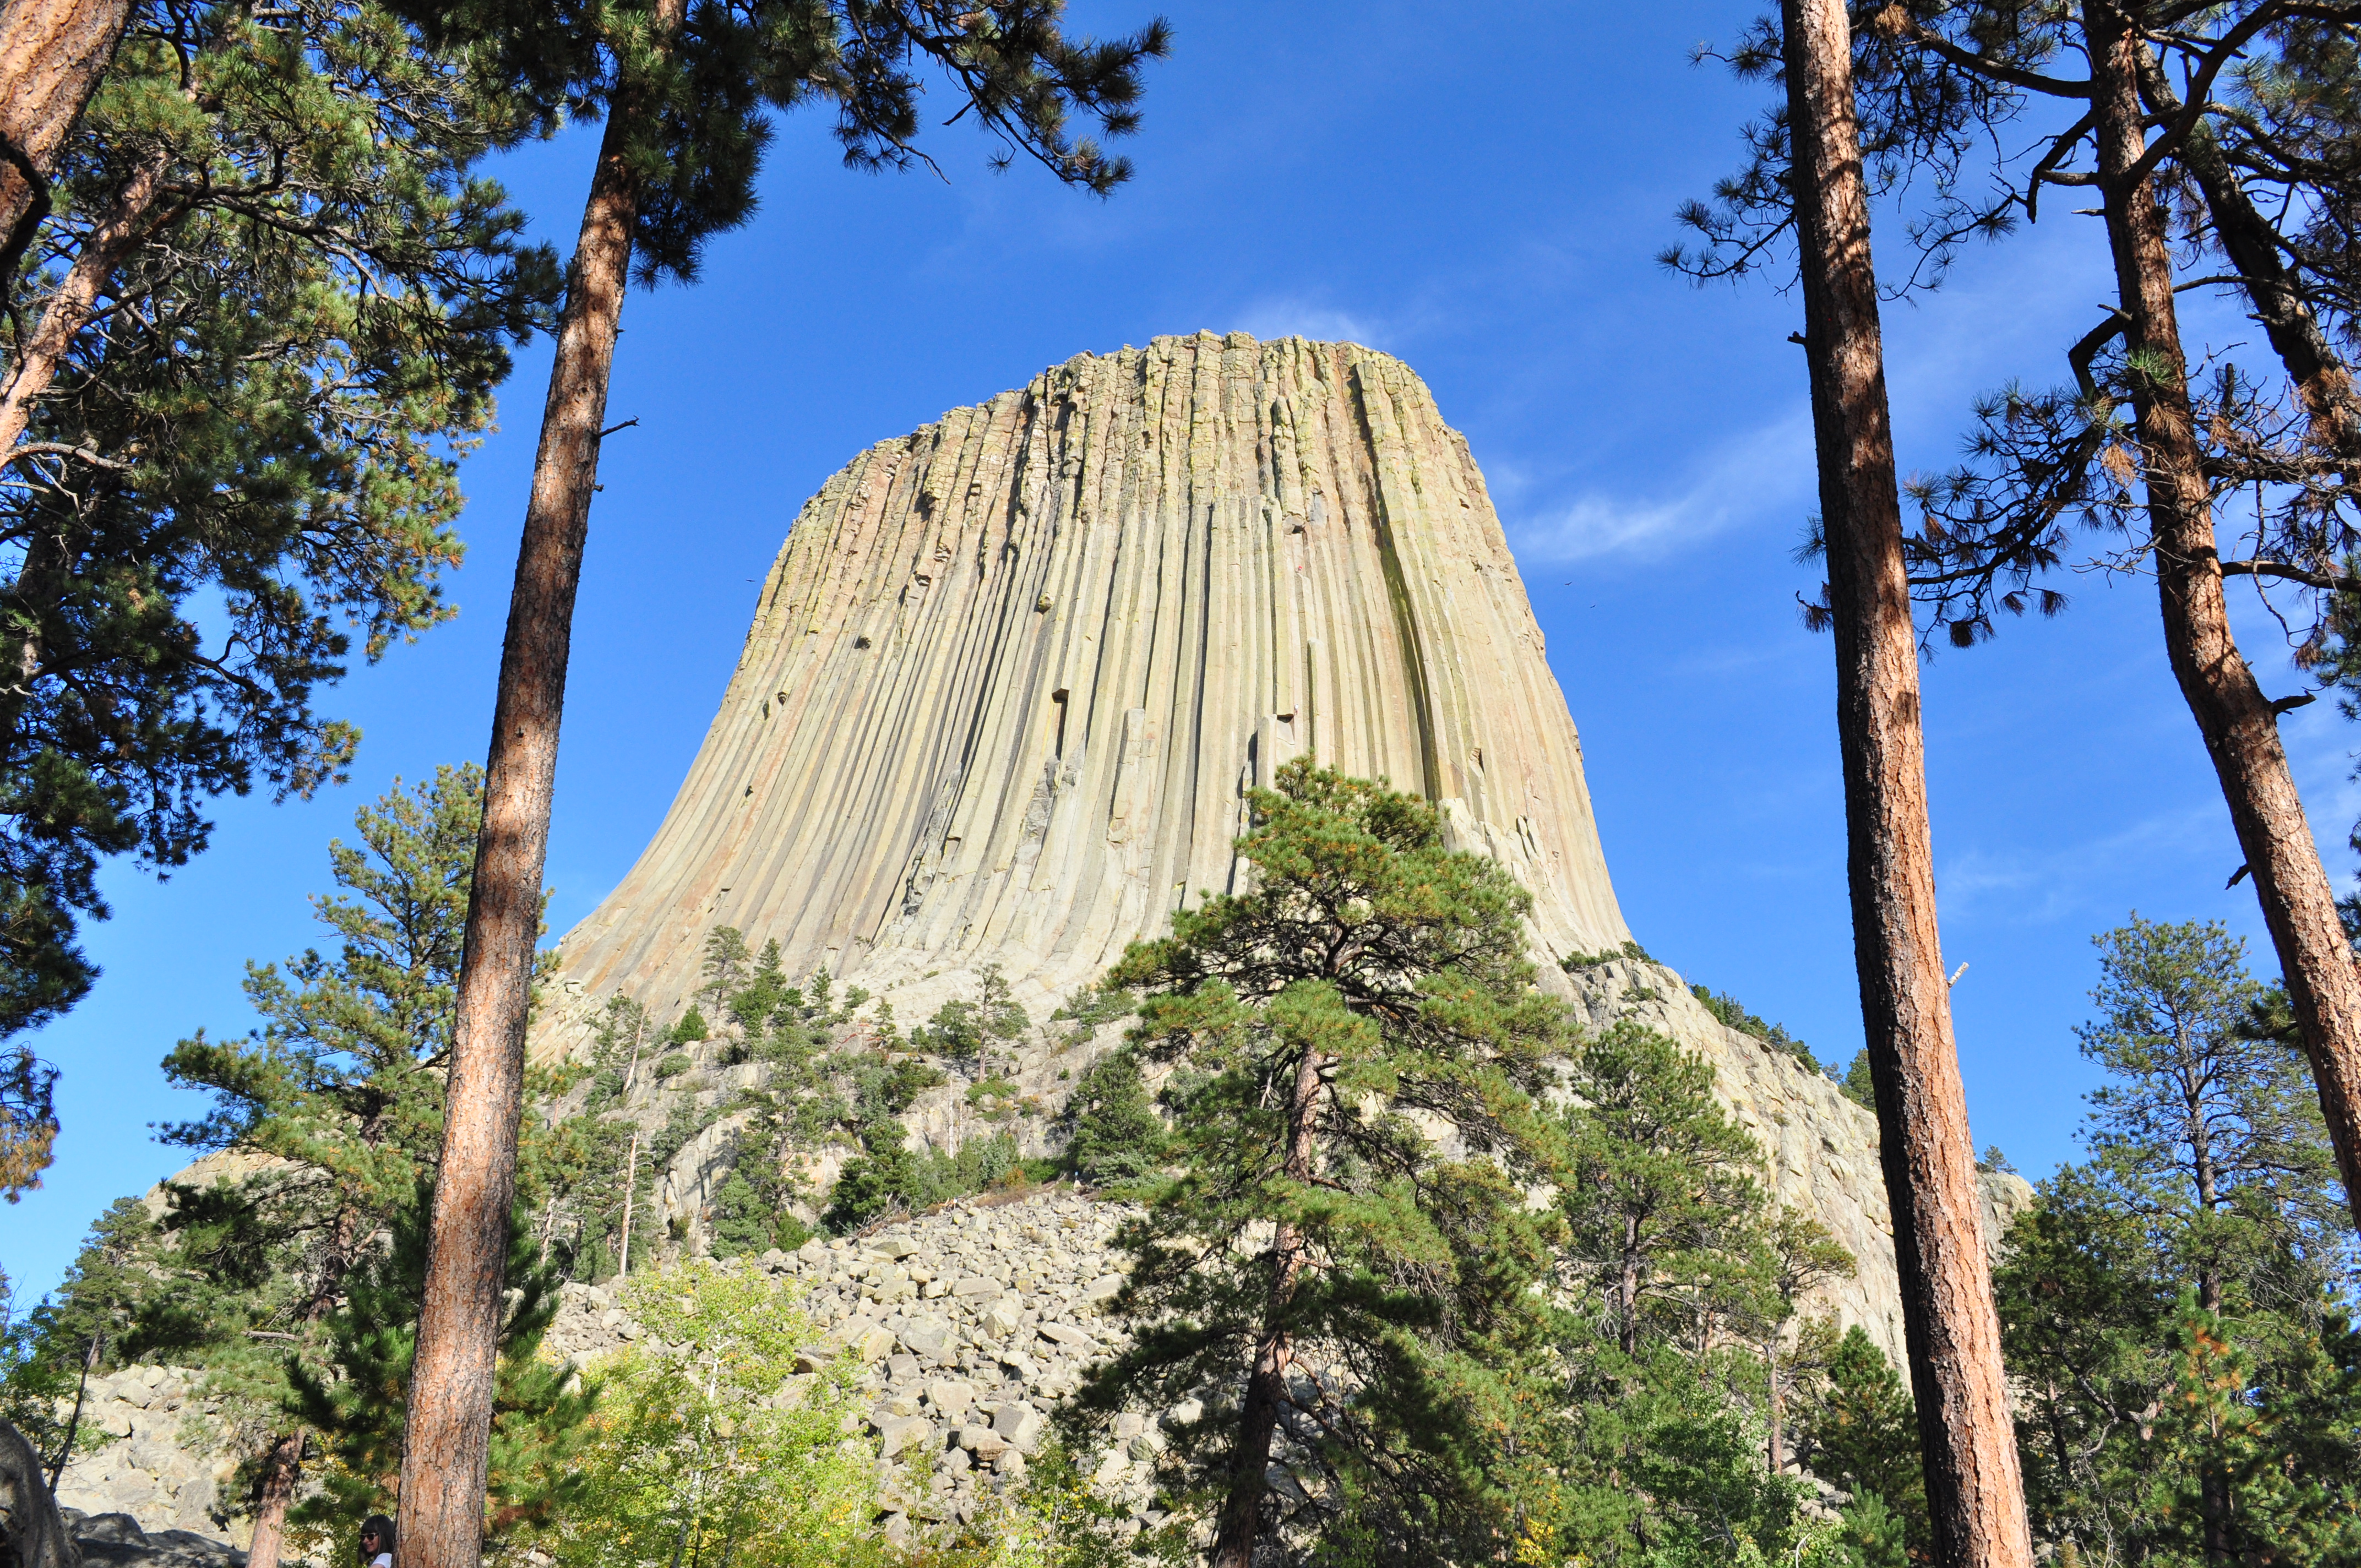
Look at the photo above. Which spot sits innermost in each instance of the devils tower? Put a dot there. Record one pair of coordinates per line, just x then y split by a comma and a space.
1012, 675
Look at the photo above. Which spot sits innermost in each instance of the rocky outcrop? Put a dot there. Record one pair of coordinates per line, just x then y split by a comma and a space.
971, 1324
160, 1452
31, 1534
116, 1541
1011, 673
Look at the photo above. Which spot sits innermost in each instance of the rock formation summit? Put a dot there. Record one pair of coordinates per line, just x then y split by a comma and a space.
1012, 673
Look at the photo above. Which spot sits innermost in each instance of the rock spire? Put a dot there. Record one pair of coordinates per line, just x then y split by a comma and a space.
1012, 673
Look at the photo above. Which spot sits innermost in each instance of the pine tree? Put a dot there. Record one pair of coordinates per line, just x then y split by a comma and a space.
339, 1090
2175, 1307
1661, 1192
688, 100
1944, 77
2213, 1136
1669, 1362
1863, 1434
355, 1402
1345, 1255
264, 318
1115, 1135
1809, 178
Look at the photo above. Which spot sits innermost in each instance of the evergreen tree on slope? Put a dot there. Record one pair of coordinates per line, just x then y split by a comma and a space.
1345, 1255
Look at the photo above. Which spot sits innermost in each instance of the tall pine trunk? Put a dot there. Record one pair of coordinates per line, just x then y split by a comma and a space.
280, 1467
1974, 1492
1241, 1518
42, 577
447, 1439
2240, 728
52, 54
73, 305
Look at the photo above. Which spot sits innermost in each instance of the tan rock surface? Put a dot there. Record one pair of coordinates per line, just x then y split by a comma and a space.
1012, 673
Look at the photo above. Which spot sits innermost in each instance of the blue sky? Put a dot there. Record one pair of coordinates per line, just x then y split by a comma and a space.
1480, 190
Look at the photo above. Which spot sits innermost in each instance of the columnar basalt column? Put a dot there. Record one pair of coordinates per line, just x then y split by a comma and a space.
1012, 673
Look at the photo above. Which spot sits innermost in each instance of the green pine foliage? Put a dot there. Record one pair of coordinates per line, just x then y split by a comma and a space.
1679, 1282
28, 1118
1090, 1006
831, 1075
1857, 1084
889, 1177
1661, 1192
337, 1098
1733, 1014
1863, 1437
342, 1077
1114, 1136
2177, 1308
263, 420
963, 1031
94, 1319
1368, 994
355, 1399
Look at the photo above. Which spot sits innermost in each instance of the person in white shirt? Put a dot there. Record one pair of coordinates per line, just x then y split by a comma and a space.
376, 1541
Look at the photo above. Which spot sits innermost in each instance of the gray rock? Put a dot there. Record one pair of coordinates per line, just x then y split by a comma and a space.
1021, 1424
115, 1541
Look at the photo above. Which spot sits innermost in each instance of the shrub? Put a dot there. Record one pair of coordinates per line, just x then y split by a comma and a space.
1733, 1014
960, 1028
888, 1176
1089, 1006
1117, 1134
674, 1066
708, 1448
1575, 963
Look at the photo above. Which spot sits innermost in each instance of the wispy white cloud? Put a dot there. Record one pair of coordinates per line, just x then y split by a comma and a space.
1764, 473
2018, 887
1290, 317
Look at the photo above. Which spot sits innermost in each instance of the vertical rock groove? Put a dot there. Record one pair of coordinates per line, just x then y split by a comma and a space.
1011, 675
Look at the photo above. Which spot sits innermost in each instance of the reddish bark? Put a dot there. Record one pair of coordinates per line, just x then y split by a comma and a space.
76, 300
2240, 729
451, 1389
279, 1469
1974, 1490
52, 53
